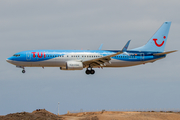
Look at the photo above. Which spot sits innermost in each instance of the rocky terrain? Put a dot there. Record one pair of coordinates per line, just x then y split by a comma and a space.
42, 114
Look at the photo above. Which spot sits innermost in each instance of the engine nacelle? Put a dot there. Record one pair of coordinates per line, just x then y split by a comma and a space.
73, 65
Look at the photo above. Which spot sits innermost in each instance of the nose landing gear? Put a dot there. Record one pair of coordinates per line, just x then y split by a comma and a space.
91, 71
23, 71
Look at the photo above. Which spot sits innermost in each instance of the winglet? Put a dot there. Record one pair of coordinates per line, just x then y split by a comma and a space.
100, 46
126, 46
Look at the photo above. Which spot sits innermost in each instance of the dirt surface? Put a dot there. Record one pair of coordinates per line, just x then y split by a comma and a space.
42, 114
39, 114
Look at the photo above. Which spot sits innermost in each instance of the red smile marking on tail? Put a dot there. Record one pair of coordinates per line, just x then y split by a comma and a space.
159, 45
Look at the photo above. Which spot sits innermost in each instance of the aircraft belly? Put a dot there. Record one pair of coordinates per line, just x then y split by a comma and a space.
121, 63
62, 63
46, 63
21, 63
49, 63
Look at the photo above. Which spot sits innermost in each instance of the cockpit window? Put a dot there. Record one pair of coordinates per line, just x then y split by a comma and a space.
16, 55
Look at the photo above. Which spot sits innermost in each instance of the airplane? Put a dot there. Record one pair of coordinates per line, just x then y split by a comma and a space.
78, 59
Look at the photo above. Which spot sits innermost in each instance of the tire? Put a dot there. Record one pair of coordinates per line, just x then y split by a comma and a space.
23, 71
92, 71
87, 72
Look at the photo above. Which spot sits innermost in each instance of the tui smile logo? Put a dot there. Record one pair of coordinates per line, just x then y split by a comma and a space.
158, 45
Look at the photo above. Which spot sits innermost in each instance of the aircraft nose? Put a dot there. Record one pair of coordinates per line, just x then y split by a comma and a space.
8, 60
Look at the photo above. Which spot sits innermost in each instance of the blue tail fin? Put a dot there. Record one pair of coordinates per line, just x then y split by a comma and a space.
158, 40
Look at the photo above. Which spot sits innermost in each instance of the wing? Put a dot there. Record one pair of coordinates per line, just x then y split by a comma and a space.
163, 53
100, 62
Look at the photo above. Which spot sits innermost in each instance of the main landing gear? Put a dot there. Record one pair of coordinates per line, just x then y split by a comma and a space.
91, 71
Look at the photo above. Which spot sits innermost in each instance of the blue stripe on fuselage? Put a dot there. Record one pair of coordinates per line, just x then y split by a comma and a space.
50, 54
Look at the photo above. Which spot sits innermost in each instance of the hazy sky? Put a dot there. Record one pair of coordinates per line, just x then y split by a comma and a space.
85, 24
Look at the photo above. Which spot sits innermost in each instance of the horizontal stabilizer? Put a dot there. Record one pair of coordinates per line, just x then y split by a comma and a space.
163, 53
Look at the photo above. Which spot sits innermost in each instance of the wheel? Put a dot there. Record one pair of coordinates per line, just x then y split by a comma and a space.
23, 71
87, 72
92, 71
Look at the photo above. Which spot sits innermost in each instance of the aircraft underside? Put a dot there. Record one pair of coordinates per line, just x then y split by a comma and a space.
89, 69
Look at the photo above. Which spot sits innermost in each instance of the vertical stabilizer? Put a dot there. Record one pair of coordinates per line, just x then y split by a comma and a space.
158, 40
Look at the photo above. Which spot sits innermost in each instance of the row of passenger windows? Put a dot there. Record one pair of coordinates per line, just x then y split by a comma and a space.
84, 56
68, 56
133, 56
88, 56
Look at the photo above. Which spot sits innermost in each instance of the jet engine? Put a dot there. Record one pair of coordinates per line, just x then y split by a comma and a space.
73, 65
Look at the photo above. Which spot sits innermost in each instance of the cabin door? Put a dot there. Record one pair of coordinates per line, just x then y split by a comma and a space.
28, 56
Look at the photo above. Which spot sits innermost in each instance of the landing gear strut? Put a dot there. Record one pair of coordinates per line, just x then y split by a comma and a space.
91, 71
23, 71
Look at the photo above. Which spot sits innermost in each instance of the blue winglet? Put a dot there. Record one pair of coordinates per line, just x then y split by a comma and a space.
126, 46
100, 46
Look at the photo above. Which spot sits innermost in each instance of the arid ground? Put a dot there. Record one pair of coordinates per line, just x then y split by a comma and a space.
42, 114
